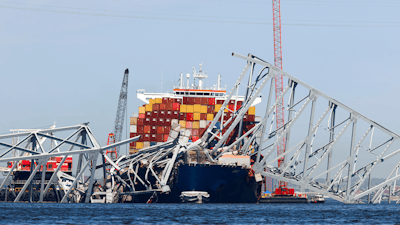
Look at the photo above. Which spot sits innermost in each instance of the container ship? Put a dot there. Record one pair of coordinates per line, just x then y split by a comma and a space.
193, 107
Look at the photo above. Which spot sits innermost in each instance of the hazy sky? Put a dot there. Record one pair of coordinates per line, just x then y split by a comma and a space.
63, 61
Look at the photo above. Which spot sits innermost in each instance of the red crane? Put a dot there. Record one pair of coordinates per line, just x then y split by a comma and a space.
280, 120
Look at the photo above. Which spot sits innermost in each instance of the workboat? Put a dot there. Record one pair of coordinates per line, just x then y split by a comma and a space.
193, 107
318, 198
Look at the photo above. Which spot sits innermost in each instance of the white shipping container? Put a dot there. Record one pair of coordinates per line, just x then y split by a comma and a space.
146, 144
203, 123
174, 121
133, 129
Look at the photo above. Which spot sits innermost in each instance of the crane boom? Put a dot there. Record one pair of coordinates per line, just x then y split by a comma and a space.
121, 110
280, 120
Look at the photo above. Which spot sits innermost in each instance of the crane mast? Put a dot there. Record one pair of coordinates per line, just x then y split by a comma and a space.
280, 120
119, 118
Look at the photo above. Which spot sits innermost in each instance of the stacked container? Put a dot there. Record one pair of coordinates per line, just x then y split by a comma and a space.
153, 122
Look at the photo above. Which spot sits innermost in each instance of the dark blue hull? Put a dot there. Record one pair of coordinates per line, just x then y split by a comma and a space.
224, 184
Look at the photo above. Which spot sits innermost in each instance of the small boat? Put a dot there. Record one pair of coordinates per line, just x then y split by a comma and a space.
194, 197
317, 199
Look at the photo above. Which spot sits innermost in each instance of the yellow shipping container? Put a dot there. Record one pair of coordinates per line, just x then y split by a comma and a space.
217, 107
152, 101
133, 120
139, 145
189, 108
149, 107
196, 116
182, 123
183, 108
252, 110
196, 125
203, 109
196, 108
158, 100
142, 110
210, 116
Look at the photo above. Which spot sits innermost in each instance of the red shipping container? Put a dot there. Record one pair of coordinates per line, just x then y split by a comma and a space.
251, 118
211, 101
169, 114
197, 101
167, 129
153, 137
167, 122
146, 137
201, 131
239, 103
231, 101
141, 139
204, 101
191, 100
166, 137
210, 109
160, 137
147, 121
161, 121
160, 129
189, 116
132, 144
231, 107
154, 121
245, 117
195, 138
186, 100
131, 135
156, 107
140, 121
203, 116
162, 106
182, 116
165, 100
175, 115
162, 113
178, 100
147, 129
249, 127
220, 102
155, 114
142, 116
176, 106
148, 114
169, 106
153, 129
140, 129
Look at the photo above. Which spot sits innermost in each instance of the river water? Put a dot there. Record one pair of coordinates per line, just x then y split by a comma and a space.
328, 213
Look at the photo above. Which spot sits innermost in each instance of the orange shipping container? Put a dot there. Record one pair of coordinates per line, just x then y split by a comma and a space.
182, 123
189, 109
210, 116
203, 109
196, 116
149, 107
147, 129
142, 110
196, 108
160, 129
158, 100
196, 125
252, 110
139, 145
182, 108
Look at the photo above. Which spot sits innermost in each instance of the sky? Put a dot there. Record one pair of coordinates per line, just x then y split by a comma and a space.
63, 61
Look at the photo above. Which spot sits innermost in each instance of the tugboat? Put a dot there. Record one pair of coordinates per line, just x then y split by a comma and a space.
318, 198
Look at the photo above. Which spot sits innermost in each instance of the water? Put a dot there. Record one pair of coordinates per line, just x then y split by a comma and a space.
330, 212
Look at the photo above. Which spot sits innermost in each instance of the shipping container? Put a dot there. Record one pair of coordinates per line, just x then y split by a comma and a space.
217, 107
146, 137
196, 116
152, 143
148, 114
147, 121
147, 129
149, 107
133, 120
182, 123
161, 121
211, 101
165, 137
196, 108
167, 129
142, 110
182, 108
160, 129
131, 135
189, 116
169, 114
163, 106
204, 101
133, 129
146, 144
195, 125
220, 102
195, 138
156, 107
139, 145
152, 101
132, 144
210, 116
153, 137
160, 137
203, 116
158, 100
162, 113
252, 110
203, 109
189, 109
167, 122
202, 124
155, 113
153, 129
154, 121
165, 100
182, 116
195, 132
176, 106
140, 129
197, 101
210, 108
175, 115
189, 124
176, 121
